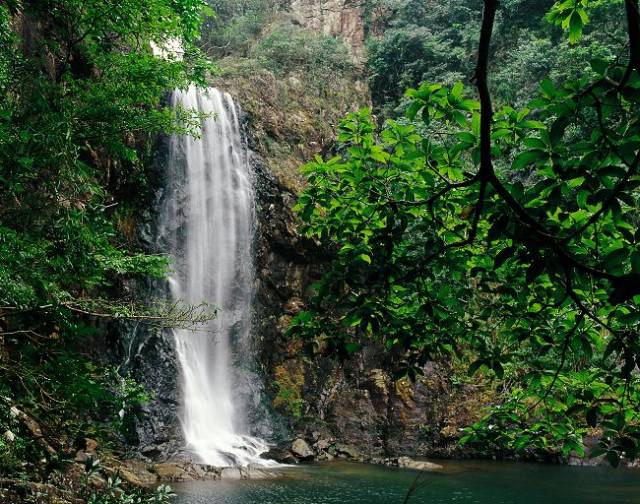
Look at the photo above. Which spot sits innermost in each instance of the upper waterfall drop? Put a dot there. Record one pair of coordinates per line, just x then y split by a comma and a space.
208, 225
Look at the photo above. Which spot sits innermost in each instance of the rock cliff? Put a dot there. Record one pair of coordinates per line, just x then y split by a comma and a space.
343, 18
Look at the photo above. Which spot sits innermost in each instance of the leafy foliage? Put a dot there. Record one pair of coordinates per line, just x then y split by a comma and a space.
100, 88
81, 95
264, 35
530, 265
236, 27
289, 384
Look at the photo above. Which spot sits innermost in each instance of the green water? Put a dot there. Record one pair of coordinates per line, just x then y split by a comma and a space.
461, 482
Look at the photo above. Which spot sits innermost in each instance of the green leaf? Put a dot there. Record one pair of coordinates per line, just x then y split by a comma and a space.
581, 198
346, 248
352, 320
365, 258
468, 105
535, 143
557, 130
467, 137
413, 109
615, 258
530, 124
457, 90
575, 27
528, 157
548, 88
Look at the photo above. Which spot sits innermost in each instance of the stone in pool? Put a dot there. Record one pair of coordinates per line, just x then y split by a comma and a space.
418, 465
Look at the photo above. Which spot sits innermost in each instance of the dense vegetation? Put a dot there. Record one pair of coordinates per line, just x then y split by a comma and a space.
506, 238
80, 97
410, 42
268, 37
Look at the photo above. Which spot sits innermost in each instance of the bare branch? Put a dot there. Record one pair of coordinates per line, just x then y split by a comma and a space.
163, 315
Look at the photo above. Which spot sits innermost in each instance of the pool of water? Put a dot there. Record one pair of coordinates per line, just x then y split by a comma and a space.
480, 482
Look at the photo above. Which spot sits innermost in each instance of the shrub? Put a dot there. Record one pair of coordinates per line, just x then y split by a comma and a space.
286, 48
236, 27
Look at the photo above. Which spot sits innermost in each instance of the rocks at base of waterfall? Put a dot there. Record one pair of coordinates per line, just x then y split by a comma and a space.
301, 449
319, 448
135, 472
347, 451
169, 472
384, 461
324, 456
418, 465
279, 454
144, 474
322, 445
231, 473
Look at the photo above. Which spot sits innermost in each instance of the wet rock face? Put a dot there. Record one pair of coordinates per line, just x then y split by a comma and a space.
158, 426
286, 264
357, 421
148, 354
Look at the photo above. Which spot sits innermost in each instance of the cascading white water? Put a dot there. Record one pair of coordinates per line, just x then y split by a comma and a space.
208, 225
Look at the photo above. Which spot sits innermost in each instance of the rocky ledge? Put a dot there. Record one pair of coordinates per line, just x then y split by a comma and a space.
323, 449
145, 474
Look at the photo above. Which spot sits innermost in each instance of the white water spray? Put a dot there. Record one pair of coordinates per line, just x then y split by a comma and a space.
209, 223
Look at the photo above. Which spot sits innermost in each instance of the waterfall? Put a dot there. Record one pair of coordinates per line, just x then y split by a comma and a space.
207, 225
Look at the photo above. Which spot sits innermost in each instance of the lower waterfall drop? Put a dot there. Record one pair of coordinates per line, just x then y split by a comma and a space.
208, 224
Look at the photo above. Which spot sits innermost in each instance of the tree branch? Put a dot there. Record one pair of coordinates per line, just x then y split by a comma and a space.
486, 118
481, 80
